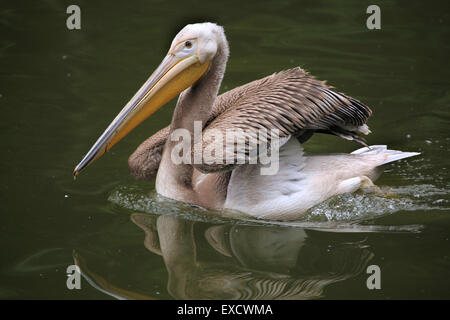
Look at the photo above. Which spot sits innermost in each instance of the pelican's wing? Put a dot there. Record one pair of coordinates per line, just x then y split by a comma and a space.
144, 162
291, 101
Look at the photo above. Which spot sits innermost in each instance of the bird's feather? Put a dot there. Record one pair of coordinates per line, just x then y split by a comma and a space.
291, 101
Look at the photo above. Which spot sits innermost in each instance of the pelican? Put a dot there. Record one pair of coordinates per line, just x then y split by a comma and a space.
292, 102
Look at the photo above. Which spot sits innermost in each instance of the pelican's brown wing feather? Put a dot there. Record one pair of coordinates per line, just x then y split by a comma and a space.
292, 101
144, 162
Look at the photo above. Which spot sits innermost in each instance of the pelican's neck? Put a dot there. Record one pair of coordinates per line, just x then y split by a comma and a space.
194, 104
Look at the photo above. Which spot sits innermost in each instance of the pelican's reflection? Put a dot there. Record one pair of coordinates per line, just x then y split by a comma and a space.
226, 261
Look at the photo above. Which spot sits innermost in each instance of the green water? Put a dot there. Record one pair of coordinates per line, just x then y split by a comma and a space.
59, 89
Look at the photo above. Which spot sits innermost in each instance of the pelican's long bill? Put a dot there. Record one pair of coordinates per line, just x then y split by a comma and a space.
173, 75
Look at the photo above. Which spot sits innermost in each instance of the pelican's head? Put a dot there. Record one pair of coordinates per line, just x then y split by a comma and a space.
201, 39
188, 59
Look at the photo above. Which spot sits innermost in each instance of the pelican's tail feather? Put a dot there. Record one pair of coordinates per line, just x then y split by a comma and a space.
392, 155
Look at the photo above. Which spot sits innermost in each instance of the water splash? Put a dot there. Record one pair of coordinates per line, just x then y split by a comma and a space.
362, 206
344, 213
137, 199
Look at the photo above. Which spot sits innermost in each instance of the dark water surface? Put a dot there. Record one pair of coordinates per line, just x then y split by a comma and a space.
59, 89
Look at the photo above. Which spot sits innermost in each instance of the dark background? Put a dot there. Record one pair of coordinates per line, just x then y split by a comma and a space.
59, 89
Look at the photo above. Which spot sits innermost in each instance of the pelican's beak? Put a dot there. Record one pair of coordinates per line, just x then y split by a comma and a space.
173, 75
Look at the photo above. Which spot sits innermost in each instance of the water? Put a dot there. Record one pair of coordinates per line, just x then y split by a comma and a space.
59, 89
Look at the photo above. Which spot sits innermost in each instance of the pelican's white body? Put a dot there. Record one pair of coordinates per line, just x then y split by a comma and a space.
304, 181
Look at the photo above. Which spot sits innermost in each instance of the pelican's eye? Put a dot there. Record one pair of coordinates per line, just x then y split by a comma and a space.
188, 44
